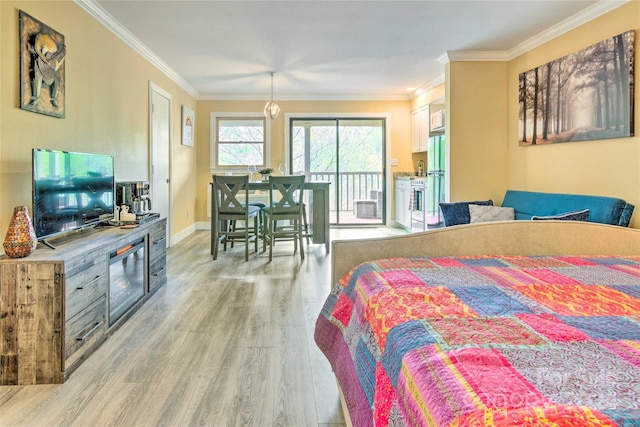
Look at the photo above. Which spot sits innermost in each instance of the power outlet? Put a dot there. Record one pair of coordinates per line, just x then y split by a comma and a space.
394, 162
187, 213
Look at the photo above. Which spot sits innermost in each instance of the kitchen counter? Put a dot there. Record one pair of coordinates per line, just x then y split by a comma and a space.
404, 175
409, 178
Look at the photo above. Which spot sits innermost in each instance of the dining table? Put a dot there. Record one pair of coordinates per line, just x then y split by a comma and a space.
317, 208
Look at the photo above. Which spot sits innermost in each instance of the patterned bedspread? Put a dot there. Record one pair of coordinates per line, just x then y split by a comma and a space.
482, 341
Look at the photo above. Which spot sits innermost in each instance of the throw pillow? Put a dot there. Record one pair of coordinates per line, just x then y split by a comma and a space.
480, 213
569, 216
456, 213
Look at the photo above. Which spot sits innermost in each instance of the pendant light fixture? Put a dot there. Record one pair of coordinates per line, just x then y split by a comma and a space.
271, 110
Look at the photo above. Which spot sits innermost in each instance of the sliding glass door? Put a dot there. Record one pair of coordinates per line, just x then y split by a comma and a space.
349, 153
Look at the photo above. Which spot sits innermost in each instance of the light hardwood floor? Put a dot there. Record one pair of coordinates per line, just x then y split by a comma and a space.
224, 343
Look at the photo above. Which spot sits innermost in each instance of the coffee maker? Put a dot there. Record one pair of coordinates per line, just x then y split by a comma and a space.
134, 195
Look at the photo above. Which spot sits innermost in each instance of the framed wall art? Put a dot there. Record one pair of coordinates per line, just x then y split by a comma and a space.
586, 95
42, 77
188, 126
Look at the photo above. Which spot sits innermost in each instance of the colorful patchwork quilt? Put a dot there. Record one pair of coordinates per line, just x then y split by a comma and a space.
487, 341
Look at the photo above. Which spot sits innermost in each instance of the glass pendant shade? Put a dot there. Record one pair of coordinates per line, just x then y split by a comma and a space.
271, 110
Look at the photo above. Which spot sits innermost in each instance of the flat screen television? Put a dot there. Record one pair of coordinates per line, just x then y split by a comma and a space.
71, 191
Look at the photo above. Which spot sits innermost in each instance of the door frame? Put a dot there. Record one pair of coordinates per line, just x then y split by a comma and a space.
387, 155
157, 89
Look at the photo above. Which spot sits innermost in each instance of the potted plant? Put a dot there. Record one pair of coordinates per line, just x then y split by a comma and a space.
264, 173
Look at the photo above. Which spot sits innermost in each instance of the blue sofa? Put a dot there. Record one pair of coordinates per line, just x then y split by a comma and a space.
605, 210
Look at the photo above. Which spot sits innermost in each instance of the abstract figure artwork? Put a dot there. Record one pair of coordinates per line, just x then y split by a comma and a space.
585, 95
42, 77
188, 123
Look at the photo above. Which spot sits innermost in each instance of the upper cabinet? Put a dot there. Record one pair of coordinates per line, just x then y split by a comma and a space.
420, 129
425, 122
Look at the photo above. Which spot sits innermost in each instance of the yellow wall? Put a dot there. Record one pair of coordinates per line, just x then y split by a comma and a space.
604, 167
3, 188
482, 129
107, 97
399, 145
476, 123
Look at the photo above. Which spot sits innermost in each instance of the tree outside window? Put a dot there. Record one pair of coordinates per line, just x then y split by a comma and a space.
240, 142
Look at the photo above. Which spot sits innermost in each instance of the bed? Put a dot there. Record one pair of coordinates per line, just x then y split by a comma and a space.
505, 323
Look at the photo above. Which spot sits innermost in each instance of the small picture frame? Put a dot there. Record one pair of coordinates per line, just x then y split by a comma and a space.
188, 126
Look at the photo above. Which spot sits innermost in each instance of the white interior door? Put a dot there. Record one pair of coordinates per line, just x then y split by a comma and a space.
160, 119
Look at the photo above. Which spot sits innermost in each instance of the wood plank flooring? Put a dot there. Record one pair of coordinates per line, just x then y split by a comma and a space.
224, 343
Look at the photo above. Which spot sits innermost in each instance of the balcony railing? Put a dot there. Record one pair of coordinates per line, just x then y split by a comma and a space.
351, 186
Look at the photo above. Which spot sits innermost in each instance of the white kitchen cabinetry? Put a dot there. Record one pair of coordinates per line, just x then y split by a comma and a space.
420, 123
403, 202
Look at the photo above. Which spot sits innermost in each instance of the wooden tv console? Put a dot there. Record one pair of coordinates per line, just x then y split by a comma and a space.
54, 304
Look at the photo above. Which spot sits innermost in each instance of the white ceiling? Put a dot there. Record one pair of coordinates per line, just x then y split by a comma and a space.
330, 49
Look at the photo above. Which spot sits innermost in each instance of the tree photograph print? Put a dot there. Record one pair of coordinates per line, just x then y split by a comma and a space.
583, 96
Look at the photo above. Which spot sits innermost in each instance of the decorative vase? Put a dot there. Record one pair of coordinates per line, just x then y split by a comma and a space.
20, 240
264, 177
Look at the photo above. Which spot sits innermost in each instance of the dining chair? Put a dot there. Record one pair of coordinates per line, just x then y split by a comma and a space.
285, 204
231, 204
260, 205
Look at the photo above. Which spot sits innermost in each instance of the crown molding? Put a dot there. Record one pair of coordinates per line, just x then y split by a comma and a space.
427, 87
303, 97
105, 18
480, 55
443, 59
594, 11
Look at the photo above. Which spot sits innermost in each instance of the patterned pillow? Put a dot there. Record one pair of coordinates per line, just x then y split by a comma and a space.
569, 216
458, 212
480, 213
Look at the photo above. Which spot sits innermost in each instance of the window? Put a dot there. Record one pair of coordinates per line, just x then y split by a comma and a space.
239, 140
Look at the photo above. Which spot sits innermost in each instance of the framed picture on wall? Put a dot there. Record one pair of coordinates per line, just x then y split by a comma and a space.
42, 77
188, 126
586, 95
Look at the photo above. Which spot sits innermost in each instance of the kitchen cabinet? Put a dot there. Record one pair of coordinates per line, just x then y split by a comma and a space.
420, 125
403, 202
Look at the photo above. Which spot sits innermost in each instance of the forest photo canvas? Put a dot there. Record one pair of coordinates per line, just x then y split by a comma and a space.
583, 96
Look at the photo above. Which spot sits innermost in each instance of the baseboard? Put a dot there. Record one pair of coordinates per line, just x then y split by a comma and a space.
176, 238
203, 225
